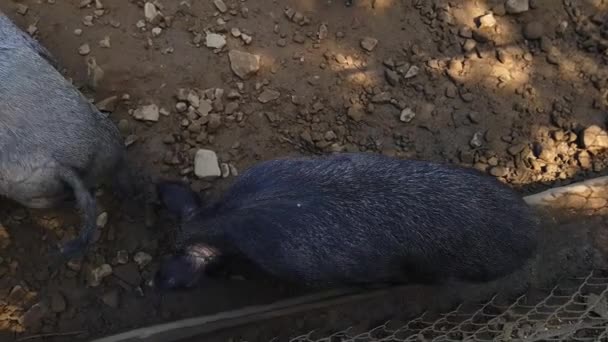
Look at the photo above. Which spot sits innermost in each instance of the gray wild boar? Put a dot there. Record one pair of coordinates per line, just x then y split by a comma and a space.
354, 218
51, 138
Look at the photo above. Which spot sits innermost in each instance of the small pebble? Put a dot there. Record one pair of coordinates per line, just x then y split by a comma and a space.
84, 49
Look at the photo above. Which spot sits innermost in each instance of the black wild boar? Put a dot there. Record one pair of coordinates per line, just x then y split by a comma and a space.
354, 218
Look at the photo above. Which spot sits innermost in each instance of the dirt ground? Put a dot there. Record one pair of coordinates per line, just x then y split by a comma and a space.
522, 96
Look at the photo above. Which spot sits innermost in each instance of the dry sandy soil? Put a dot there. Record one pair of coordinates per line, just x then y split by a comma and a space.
520, 96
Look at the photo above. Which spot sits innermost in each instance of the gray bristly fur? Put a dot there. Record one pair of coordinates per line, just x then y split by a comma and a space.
356, 218
13, 35
51, 138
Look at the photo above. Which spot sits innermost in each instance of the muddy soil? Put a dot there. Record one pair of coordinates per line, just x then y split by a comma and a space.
522, 96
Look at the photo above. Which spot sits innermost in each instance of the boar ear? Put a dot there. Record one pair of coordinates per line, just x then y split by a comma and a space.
178, 198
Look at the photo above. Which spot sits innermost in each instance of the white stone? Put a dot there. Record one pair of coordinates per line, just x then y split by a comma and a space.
147, 113
407, 115
206, 164
215, 41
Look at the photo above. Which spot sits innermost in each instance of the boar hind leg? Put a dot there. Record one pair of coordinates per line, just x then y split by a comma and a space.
86, 203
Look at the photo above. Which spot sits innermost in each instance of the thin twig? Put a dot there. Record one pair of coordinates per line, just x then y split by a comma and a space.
31, 337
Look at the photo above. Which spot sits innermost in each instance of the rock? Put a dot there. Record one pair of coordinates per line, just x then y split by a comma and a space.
356, 112
150, 12
204, 108
595, 138
111, 299
503, 56
102, 220
94, 72
407, 115
215, 121
107, 104
391, 77
499, 9
96, 275
487, 20
183, 106
206, 164
383, 97
22, 9
128, 273
142, 259
244, 64
547, 153
411, 72
5, 238
477, 140
17, 295
298, 38
225, 170
58, 304
516, 149
215, 41
517, 6
147, 113
34, 315
220, 5
465, 32
84, 49
533, 30
156, 31
499, 171
469, 45
193, 98
369, 44
323, 31
122, 257
105, 43
584, 159
268, 95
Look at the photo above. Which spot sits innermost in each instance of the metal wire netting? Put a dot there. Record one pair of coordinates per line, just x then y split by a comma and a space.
574, 310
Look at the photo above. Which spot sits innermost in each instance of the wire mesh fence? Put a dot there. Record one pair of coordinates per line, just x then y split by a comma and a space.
574, 310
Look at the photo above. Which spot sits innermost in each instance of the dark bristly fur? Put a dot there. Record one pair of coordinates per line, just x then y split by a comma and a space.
51, 138
355, 218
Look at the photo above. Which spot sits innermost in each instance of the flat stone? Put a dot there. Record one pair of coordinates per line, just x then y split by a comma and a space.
220, 5
407, 115
215, 41
142, 259
595, 138
206, 164
107, 104
487, 20
369, 43
517, 6
356, 112
499, 171
96, 275
244, 64
150, 12
268, 95
147, 113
